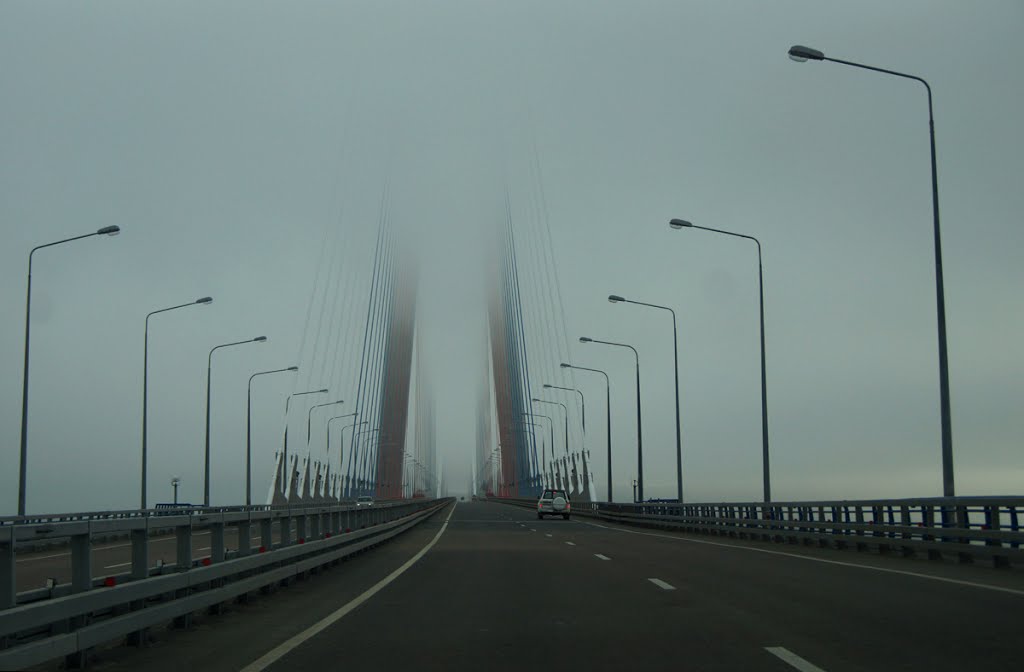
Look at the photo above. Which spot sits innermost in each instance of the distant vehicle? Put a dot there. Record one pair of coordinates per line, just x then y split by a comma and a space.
553, 503
364, 500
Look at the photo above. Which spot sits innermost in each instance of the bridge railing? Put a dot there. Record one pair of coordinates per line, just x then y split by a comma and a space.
967, 528
64, 620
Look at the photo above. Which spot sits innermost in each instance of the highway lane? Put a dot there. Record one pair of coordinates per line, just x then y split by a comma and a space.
503, 589
497, 588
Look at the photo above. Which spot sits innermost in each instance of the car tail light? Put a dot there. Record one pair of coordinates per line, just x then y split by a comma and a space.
568, 506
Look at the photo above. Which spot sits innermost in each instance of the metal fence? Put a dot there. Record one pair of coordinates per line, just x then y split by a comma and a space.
66, 620
966, 528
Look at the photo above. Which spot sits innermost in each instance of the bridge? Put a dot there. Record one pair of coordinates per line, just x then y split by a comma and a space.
418, 578
373, 502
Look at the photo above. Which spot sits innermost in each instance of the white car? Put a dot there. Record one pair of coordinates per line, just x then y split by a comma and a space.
364, 500
553, 503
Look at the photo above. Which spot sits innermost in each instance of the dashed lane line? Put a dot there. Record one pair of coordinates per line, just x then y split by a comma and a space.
969, 584
569, 543
662, 584
792, 659
601, 557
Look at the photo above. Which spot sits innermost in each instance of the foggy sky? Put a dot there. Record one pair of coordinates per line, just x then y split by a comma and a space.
242, 148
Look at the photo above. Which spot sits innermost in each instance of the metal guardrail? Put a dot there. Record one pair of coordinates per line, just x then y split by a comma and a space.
967, 528
36, 626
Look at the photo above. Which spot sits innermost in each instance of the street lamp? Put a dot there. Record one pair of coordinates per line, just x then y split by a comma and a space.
566, 410
682, 223
608, 416
675, 369
205, 301
639, 424
248, 431
309, 416
800, 54
583, 402
105, 231
209, 367
175, 481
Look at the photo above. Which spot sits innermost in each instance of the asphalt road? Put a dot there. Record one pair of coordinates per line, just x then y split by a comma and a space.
499, 589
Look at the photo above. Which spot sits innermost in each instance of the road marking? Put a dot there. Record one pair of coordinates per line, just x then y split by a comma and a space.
794, 660
546, 534
275, 654
602, 557
569, 543
969, 584
661, 584
532, 530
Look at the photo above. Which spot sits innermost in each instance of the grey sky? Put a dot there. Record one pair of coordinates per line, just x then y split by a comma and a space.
234, 142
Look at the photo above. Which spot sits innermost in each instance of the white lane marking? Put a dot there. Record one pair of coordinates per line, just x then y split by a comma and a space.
969, 584
661, 584
532, 530
569, 543
601, 557
275, 654
794, 660
121, 564
546, 534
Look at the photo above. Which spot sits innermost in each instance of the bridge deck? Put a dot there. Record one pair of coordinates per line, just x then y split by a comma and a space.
502, 590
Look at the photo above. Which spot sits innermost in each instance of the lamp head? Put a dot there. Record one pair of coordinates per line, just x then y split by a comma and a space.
546, 386
293, 368
565, 366
109, 231
679, 223
205, 301
260, 339
584, 339
801, 54
615, 298
535, 399
323, 391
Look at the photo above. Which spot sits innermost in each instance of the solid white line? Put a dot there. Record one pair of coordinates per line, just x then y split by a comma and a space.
602, 557
969, 584
661, 584
569, 543
794, 660
275, 654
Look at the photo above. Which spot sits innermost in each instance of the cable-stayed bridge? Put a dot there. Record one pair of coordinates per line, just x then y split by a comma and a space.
412, 577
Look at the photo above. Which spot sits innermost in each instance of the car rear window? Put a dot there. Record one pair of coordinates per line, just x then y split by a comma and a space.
551, 494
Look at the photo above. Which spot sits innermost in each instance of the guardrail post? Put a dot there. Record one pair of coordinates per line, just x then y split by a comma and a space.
140, 553
285, 530
217, 542
8, 586
183, 533
81, 563
267, 533
244, 530
314, 526
300, 526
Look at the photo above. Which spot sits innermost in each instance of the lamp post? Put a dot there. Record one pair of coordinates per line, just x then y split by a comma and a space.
105, 231
583, 402
248, 431
608, 416
766, 470
543, 457
206, 300
565, 409
175, 481
309, 416
801, 54
675, 369
639, 424
340, 450
209, 368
